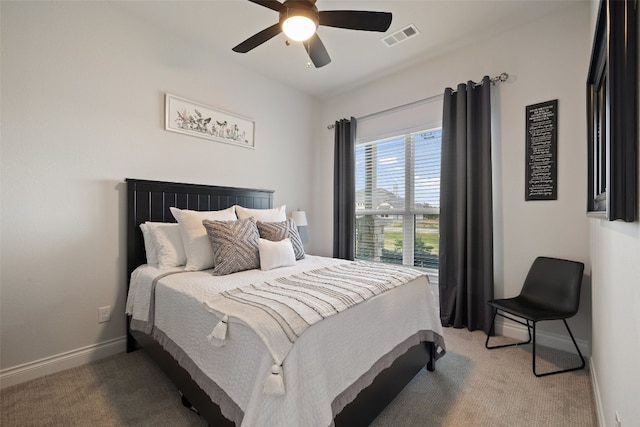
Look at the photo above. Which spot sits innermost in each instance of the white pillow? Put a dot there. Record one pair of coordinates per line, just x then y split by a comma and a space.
194, 236
264, 215
168, 242
276, 254
149, 245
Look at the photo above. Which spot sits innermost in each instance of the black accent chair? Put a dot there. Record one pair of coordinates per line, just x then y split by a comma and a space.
551, 291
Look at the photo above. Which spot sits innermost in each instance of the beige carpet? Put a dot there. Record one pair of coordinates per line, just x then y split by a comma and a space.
472, 386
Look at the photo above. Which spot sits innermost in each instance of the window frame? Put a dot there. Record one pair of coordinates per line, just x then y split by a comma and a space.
612, 134
410, 210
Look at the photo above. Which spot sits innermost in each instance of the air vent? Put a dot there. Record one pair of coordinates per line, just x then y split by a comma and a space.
399, 36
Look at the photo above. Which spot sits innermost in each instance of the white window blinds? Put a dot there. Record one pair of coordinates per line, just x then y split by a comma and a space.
398, 197
398, 194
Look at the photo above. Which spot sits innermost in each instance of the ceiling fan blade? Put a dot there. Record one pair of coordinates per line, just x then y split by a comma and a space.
258, 38
317, 52
356, 20
271, 4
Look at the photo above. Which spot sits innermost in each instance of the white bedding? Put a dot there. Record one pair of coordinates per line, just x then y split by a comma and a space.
330, 357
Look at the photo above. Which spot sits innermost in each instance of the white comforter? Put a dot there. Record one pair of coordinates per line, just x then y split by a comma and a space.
327, 359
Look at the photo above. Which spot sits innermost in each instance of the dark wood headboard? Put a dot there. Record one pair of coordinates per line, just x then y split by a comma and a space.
151, 200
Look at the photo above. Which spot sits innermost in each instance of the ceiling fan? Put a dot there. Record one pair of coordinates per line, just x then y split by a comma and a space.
299, 20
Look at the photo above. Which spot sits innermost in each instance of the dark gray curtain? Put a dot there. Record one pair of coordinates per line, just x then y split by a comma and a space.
466, 215
344, 189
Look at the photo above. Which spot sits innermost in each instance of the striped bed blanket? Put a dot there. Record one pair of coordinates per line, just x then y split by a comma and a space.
280, 310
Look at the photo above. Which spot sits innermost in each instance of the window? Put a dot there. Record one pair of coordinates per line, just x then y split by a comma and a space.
398, 199
597, 122
612, 114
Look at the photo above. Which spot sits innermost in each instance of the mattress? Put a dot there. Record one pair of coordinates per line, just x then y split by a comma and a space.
327, 366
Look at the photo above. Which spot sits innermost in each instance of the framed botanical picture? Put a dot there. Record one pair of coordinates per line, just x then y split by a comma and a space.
194, 119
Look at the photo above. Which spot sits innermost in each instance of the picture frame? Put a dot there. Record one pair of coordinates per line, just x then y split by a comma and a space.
541, 161
194, 119
612, 113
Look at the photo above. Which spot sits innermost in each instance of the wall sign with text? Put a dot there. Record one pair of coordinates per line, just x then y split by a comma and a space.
541, 177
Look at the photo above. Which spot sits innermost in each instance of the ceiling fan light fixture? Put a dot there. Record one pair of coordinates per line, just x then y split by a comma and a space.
306, 19
298, 28
299, 23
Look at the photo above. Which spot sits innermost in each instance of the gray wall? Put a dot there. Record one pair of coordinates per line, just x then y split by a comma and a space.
546, 59
615, 269
83, 109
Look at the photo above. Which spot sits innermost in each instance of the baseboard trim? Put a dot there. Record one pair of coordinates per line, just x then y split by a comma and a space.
560, 342
60, 362
596, 394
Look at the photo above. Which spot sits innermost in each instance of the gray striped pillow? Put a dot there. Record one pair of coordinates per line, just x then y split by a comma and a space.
234, 245
276, 231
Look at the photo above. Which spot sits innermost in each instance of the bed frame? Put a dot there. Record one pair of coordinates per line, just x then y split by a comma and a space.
150, 201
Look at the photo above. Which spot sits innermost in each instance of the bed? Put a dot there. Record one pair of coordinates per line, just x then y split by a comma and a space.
223, 387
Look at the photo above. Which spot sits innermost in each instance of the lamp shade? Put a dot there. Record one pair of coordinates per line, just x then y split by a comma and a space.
300, 218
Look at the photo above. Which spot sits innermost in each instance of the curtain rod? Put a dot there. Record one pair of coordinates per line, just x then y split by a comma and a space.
396, 108
494, 80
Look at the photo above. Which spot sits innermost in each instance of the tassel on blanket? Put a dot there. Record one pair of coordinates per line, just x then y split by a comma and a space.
219, 333
274, 384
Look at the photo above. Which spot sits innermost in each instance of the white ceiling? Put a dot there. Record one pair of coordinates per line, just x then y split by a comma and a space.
357, 56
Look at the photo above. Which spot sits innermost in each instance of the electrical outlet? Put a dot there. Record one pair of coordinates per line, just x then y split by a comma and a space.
104, 314
618, 421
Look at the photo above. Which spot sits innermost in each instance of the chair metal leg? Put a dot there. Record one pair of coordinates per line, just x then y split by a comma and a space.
532, 337
493, 323
582, 365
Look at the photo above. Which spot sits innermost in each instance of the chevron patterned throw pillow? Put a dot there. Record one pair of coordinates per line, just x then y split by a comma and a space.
234, 244
276, 231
